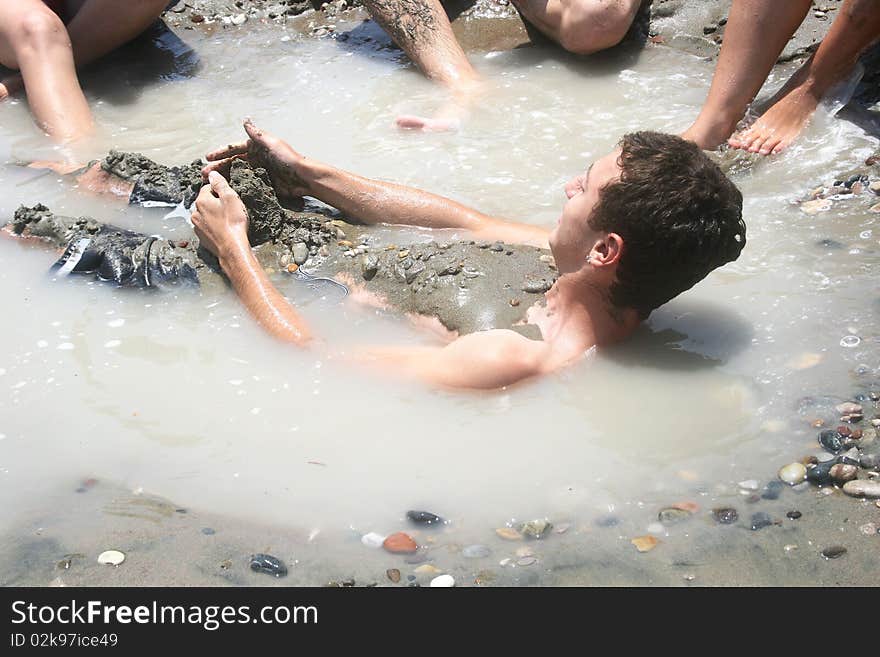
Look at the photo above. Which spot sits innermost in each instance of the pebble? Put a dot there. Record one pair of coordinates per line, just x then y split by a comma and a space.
862, 488
817, 206
526, 561
292, 268
821, 473
393, 574
793, 473
111, 558
726, 516
475, 552
842, 473
850, 457
608, 521
671, 515
773, 489
869, 461
750, 484
562, 528
208, 531
761, 520
536, 287
266, 563
834, 552
424, 518
525, 551
444, 581
875, 187
868, 529
645, 543
535, 528
509, 534
874, 208
417, 557
793, 515
300, 253
830, 440
373, 540
400, 543
238, 19
427, 569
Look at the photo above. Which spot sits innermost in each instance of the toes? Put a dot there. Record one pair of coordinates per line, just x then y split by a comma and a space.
769, 145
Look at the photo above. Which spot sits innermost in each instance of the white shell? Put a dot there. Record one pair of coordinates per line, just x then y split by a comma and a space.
111, 558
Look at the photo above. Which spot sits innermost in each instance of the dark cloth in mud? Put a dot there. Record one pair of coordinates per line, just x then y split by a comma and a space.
468, 286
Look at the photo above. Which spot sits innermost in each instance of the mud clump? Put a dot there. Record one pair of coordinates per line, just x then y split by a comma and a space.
153, 181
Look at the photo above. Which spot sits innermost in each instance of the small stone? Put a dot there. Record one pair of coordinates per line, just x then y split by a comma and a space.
525, 551
875, 208
373, 540
424, 518
509, 534
535, 528
292, 268
671, 515
868, 529
400, 543
266, 563
875, 186
793, 473
834, 552
475, 552
645, 543
773, 489
870, 461
862, 488
816, 206
300, 253
208, 531
226, 564
197, 18
725, 516
848, 408
369, 267
793, 515
111, 558
238, 19
526, 561
842, 473
691, 507
444, 581
830, 440
534, 286
393, 574
750, 484
850, 457
562, 528
761, 520
514, 302
608, 521
427, 569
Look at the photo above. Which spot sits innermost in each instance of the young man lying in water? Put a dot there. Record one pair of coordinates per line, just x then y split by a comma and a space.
640, 226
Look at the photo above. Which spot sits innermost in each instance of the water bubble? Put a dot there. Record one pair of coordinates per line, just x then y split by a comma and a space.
850, 341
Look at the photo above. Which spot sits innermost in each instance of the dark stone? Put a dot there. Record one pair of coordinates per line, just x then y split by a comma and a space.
869, 461
829, 243
608, 521
773, 490
830, 440
725, 516
820, 474
425, 518
834, 552
793, 515
761, 520
207, 531
266, 563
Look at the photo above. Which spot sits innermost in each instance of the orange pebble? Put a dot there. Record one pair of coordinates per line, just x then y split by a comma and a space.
400, 543
292, 268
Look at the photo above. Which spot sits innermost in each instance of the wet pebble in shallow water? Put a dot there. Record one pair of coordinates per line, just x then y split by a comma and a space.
671, 515
424, 518
830, 440
773, 489
372, 540
842, 473
475, 552
509, 534
725, 516
645, 543
793, 515
208, 531
761, 520
400, 543
444, 581
535, 528
869, 461
266, 563
393, 574
862, 488
793, 473
834, 552
820, 474
111, 558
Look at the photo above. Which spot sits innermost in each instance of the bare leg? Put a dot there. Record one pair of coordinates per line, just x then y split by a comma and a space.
581, 26
857, 25
34, 41
757, 31
421, 28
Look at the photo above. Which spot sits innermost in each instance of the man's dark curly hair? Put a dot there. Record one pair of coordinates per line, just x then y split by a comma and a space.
678, 214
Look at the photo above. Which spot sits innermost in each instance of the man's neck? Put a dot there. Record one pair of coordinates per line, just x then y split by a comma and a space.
580, 314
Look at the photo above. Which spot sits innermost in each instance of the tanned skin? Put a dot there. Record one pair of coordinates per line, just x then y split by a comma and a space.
578, 314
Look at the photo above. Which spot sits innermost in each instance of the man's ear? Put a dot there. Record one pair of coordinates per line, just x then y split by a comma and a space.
607, 251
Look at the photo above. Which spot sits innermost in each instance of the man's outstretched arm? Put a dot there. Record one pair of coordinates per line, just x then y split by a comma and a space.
364, 199
487, 360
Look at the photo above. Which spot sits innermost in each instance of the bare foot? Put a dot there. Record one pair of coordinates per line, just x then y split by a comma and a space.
98, 181
424, 124
10, 86
789, 112
61, 168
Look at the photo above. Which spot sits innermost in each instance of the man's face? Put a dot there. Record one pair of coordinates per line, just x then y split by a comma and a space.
573, 238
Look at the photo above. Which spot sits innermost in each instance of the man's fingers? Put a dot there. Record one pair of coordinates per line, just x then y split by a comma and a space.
222, 166
206, 196
219, 185
228, 151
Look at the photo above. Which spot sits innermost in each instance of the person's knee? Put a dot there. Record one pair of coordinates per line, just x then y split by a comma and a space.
38, 30
589, 26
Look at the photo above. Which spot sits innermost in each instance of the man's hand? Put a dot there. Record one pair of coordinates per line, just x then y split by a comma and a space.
284, 165
220, 218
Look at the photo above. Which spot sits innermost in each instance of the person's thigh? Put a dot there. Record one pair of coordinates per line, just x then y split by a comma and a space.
14, 16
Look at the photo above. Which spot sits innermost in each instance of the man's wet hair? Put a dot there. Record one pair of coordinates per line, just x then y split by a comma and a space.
679, 216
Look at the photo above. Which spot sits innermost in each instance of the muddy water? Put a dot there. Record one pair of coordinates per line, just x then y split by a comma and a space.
180, 395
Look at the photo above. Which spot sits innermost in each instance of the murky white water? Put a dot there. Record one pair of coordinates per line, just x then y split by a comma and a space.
180, 394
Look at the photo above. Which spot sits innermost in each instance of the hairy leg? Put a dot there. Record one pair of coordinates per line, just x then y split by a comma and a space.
757, 31
581, 26
34, 40
855, 28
